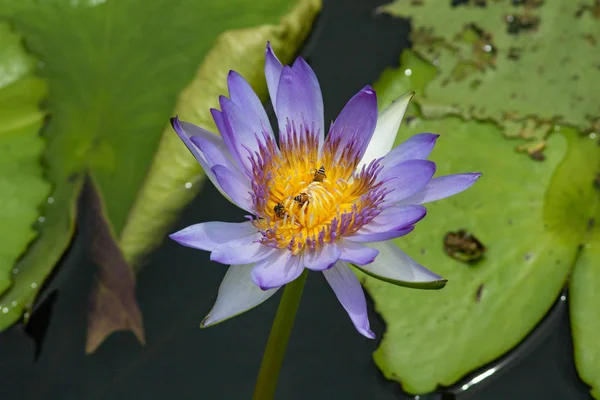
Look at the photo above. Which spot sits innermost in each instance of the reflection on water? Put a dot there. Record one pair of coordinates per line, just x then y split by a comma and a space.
482, 377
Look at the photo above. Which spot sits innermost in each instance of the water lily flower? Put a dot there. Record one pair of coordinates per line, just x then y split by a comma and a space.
315, 202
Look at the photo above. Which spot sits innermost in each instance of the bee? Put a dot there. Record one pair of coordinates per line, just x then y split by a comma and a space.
279, 210
301, 198
319, 175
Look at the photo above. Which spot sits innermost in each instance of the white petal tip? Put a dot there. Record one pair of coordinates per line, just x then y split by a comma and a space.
178, 237
406, 97
367, 333
473, 177
400, 105
206, 322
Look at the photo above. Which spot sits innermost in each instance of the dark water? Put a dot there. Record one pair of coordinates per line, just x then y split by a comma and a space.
326, 358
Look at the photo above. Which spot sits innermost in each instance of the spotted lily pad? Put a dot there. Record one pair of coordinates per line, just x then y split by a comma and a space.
524, 65
22, 186
529, 218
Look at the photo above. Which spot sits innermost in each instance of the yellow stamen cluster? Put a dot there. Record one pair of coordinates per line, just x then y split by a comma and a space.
305, 193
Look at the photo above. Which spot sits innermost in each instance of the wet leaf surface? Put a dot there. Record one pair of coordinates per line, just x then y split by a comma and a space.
22, 185
524, 65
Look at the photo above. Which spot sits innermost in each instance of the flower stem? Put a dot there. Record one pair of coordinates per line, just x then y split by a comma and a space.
278, 339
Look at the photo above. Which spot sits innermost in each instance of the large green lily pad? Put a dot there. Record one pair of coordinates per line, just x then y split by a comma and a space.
523, 66
113, 85
22, 187
434, 338
490, 306
584, 299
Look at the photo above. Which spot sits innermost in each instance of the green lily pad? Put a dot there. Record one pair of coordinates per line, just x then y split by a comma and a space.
584, 299
22, 186
530, 216
523, 66
489, 306
113, 84
175, 176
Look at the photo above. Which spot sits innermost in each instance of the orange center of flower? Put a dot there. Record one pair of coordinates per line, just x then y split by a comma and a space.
307, 199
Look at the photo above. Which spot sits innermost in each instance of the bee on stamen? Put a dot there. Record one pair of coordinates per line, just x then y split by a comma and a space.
301, 198
319, 175
279, 210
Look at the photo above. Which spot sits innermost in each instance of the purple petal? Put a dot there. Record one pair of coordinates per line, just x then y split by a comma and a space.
185, 131
210, 235
236, 185
322, 258
277, 269
228, 136
312, 89
215, 153
273, 69
237, 294
239, 136
442, 187
394, 218
417, 147
245, 250
355, 124
205, 146
407, 178
395, 266
379, 237
242, 94
347, 288
356, 253
299, 100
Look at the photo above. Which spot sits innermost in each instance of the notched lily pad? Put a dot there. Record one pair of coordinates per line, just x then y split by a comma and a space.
22, 186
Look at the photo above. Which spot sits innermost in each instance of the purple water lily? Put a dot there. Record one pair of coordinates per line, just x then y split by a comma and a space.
316, 202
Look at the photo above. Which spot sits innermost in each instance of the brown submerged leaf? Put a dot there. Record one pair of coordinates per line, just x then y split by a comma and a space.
113, 306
